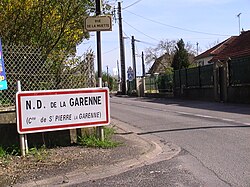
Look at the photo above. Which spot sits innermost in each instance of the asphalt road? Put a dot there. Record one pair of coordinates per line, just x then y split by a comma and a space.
214, 138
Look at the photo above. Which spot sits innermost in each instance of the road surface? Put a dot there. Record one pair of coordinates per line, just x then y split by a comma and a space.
214, 138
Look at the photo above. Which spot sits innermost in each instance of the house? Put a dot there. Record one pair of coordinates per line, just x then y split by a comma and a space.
235, 46
161, 64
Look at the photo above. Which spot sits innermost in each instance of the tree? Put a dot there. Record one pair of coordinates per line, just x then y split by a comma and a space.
180, 59
167, 48
164, 47
55, 25
108, 80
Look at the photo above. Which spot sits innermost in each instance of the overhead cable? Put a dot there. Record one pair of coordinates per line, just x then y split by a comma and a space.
140, 31
132, 4
184, 29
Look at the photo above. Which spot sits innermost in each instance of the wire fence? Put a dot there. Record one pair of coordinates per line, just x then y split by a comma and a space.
35, 72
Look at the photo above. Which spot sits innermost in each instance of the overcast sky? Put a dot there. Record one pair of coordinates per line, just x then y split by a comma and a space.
150, 21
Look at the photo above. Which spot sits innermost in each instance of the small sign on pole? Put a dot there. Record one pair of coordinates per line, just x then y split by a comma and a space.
130, 73
41, 111
98, 23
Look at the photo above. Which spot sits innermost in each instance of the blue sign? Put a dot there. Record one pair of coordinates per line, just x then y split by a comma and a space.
130, 74
3, 80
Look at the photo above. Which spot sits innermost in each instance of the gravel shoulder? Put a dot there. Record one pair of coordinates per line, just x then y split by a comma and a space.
61, 160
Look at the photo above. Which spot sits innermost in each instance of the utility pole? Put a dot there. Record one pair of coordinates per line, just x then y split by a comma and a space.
239, 21
100, 130
133, 59
98, 39
143, 75
108, 75
122, 53
197, 48
118, 77
143, 65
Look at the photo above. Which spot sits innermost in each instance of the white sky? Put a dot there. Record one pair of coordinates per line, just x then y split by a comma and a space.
202, 21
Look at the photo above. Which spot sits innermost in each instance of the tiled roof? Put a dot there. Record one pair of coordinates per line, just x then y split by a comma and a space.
239, 47
235, 46
216, 49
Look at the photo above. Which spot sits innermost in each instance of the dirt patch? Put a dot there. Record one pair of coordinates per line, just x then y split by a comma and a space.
61, 160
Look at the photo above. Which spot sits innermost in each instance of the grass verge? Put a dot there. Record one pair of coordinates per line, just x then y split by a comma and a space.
41, 153
93, 141
9, 151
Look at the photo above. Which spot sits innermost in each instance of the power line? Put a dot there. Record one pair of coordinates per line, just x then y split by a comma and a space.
131, 4
115, 1
111, 50
140, 31
148, 43
179, 28
125, 34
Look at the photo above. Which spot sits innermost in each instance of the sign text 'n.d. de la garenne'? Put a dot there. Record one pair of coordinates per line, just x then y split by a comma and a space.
39, 111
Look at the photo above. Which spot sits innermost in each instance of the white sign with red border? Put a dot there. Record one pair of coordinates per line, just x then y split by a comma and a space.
41, 111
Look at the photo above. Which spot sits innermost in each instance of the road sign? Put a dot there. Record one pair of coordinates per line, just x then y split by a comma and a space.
40, 111
3, 80
98, 23
130, 74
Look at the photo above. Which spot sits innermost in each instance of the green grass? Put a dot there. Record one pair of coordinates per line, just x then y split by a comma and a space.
9, 151
93, 141
2, 152
39, 154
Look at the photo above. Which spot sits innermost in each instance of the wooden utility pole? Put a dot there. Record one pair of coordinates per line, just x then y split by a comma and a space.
133, 59
122, 53
118, 77
197, 48
108, 75
143, 64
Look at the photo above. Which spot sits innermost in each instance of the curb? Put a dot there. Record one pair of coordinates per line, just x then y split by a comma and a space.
154, 151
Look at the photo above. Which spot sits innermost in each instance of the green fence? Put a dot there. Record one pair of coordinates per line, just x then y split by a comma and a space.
239, 71
165, 83
207, 76
201, 76
151, 84
193, 77
159, 83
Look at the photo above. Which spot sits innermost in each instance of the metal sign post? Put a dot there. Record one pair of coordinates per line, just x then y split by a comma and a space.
100, 130
23, 137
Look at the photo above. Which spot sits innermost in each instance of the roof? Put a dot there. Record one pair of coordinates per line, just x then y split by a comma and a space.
160, 64
216, 49
239, 47
235, 46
